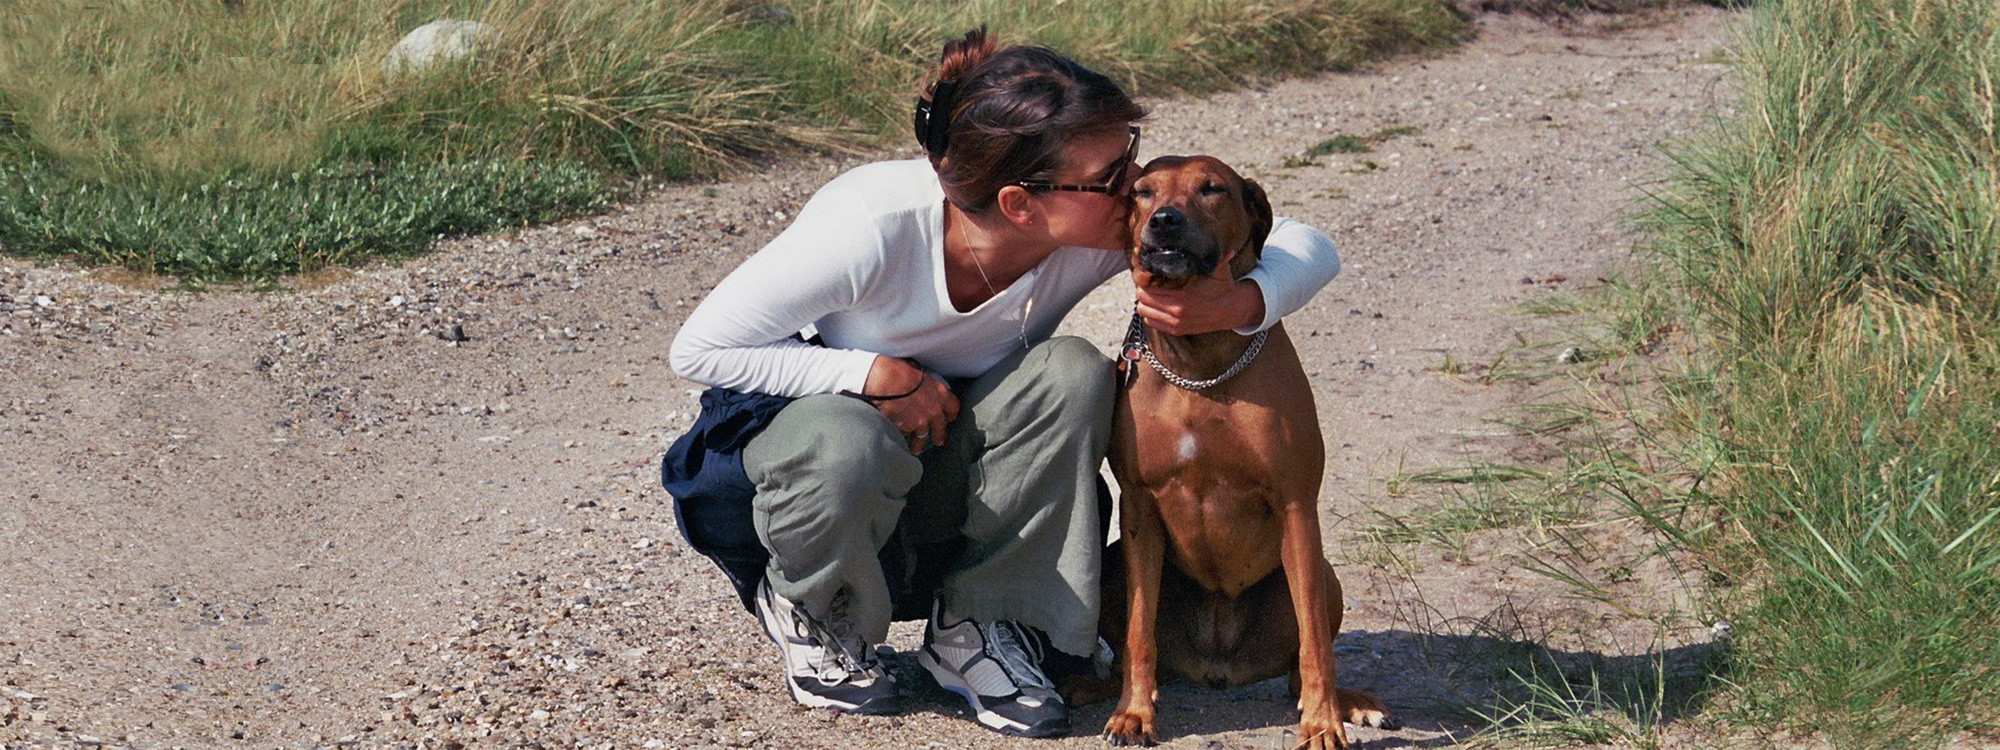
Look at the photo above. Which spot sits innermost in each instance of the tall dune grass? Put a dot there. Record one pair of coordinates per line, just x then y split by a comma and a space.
161, 98
1837, 247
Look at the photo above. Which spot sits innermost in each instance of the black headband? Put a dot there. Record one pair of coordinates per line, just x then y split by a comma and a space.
933, 119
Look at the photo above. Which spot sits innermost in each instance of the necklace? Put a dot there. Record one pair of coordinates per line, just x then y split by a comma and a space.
1137, 348
1026, 308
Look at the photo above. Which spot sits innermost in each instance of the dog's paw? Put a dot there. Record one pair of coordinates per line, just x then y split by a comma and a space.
1313, 736
1376, 718
1364, 710
1129, 729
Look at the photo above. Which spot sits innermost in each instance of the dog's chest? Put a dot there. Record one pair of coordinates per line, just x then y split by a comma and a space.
1208, 464
1172, 435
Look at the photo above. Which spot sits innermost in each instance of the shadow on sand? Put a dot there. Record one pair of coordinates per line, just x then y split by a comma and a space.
1438, 686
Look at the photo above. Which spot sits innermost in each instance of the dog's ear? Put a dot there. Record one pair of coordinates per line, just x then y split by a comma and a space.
1258, 207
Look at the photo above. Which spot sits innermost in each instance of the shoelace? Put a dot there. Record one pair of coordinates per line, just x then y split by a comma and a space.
1019, 654
846, 652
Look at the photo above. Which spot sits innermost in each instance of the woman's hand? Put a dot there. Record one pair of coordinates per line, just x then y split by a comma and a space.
924, 413
1204, 305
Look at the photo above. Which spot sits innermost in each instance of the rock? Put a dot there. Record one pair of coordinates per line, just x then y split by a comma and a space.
434, 42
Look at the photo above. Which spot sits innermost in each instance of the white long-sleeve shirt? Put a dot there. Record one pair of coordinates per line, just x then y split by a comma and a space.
864, 264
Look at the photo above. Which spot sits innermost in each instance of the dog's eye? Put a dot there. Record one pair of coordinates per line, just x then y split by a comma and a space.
1213, 189
1139, 192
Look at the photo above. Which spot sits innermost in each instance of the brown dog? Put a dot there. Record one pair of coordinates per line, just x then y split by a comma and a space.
1223, 578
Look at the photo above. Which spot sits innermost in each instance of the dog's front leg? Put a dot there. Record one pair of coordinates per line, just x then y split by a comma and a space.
1306, 571
1143, 537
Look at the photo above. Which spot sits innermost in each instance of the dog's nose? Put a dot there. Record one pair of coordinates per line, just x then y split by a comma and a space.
1166, 219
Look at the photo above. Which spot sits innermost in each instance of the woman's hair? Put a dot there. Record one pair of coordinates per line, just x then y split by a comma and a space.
1007, 114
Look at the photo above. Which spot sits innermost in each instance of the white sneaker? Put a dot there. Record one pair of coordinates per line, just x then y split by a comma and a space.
996, 667
826, 664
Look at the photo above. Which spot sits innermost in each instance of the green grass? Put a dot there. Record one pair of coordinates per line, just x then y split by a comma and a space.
1830, 455
1347, 144
141, 104
1589, 709
1801, 405
1359, 144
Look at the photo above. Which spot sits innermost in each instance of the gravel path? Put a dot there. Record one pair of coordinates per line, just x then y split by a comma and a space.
416, 505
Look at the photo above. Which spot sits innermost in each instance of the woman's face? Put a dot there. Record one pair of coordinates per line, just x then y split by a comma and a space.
1092, 219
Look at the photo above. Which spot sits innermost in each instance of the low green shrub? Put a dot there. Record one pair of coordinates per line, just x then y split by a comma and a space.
258, 226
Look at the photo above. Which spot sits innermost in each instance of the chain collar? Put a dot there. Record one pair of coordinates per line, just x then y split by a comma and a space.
1136, 348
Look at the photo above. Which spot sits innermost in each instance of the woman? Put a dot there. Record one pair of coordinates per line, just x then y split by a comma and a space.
934, 436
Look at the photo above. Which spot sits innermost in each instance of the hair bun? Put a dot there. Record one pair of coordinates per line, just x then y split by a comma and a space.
933, 118
935, 104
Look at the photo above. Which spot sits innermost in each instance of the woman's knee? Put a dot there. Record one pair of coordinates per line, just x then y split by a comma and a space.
832, 440
1076, 372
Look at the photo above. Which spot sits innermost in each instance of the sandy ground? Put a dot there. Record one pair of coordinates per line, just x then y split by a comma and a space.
316, 519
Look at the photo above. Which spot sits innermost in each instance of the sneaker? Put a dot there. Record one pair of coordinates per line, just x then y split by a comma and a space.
996, 667
826, 664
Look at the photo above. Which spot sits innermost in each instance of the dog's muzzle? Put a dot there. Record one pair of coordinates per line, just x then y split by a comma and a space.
1169, 247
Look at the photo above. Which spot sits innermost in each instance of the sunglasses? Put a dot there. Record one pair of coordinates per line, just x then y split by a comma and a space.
1112, 185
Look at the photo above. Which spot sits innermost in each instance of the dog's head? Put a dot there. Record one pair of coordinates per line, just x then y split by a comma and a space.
1191, 214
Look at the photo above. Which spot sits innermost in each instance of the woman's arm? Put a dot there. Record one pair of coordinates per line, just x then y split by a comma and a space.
740, 337
1297, 261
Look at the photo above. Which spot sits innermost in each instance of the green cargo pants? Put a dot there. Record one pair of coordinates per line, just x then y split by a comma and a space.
1016, 477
